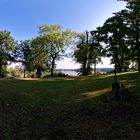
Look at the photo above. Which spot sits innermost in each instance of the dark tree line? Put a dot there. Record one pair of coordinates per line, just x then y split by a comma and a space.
120, 35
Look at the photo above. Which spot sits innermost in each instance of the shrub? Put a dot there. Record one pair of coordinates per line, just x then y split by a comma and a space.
56, 74
31, 75
4, 72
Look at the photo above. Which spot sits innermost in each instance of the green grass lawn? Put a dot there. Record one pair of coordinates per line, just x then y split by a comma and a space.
69, 109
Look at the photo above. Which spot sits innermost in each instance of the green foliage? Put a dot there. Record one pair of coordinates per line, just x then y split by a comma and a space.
88, 52
81, 71
31, 75
121, 34
15, 72
131, 16
7, 46
56, 40
114, 35
39, 55
3, 71
23, 55
59, 74
26, 54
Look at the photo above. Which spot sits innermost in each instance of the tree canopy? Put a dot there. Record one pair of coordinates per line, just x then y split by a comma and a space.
88, 51
7, 46
118, 38
56, 40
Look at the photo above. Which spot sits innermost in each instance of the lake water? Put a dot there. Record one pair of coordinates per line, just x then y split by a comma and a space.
70, 72
73, 72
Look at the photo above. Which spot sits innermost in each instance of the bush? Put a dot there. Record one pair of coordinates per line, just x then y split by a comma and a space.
31, 75
15, 72
60, 74
4, 72
56, 74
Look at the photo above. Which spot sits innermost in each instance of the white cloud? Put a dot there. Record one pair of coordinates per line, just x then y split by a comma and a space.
68, 63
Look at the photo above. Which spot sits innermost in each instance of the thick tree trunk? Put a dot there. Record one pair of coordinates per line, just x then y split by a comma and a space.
88, 70
38, 73
52, 68
84, 70
85, 66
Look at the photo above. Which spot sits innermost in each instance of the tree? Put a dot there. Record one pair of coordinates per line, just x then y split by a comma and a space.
24, 55
39, 55
81, 52
114, 34
96, 48
56, 40
131, 17
7, 45
88, 51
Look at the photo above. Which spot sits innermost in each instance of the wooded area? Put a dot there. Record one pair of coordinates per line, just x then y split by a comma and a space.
118, 39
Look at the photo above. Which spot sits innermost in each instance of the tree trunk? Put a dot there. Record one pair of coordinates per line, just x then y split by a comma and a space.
1, 67
84, 70
115, 71
38, 73
52, 68
0, 70
139, 64
94, 68
24, 73
88, 70
138, 45
116, 90
138, 54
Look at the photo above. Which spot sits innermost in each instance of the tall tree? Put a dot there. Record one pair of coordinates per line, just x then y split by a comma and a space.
39, 55
131, 17
113, 34
96, 48
81, 53
57, 40
24, 55
88, 51
7, 46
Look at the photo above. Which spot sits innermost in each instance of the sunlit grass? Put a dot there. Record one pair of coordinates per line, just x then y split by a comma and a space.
96, 93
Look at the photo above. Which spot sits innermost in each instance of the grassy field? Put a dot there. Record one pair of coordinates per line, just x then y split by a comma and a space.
69, 109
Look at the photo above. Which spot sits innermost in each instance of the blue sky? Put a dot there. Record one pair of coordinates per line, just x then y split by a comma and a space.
22, 17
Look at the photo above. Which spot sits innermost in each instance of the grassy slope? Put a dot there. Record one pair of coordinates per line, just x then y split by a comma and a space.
80, 108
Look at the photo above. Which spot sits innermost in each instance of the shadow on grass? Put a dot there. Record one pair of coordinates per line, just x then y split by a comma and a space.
68, 109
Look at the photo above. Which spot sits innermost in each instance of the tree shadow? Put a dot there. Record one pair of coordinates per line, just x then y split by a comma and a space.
78, 108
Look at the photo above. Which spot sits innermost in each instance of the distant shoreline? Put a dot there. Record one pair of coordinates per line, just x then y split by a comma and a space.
73, 72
